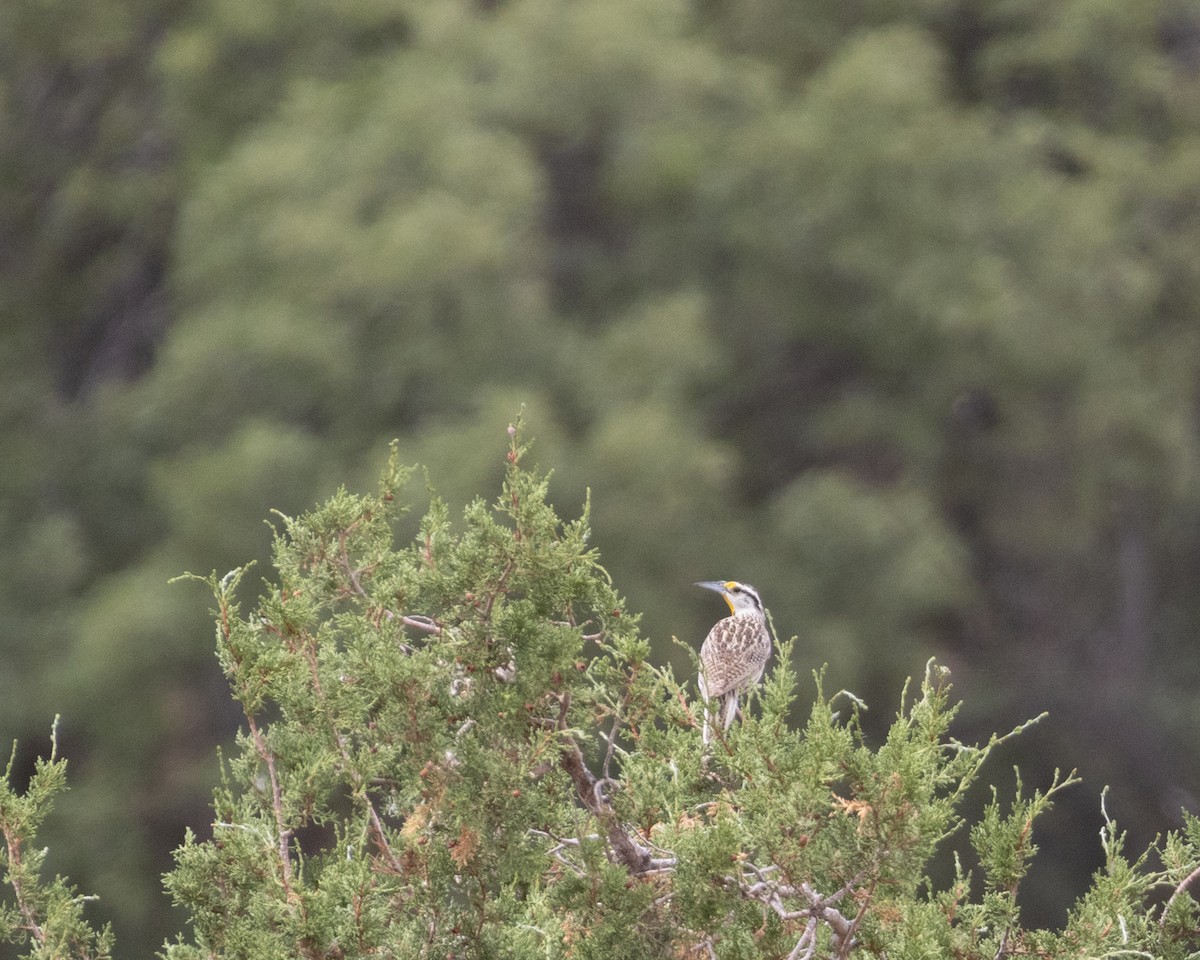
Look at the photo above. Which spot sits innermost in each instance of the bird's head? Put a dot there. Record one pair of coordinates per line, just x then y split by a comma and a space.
741, 597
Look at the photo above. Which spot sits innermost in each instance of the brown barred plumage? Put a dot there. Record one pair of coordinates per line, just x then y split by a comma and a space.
735, 653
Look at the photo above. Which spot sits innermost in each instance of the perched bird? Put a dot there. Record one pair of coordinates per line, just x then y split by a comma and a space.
736, 651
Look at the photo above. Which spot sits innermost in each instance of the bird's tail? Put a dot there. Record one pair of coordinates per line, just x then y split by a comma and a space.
727, 711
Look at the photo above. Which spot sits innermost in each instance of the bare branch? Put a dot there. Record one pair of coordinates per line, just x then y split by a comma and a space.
561, 844
1184, 886
590, 789
807, 944
760, 883
612, 736
418, 622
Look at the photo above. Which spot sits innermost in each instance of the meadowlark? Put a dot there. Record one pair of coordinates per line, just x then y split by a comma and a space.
735, 653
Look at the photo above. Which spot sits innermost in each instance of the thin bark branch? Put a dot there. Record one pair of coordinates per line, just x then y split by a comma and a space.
759, 883
283, 833
1184, 886
28, 914
424, 624
623, 848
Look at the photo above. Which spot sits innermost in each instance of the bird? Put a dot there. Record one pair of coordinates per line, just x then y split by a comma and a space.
735, 652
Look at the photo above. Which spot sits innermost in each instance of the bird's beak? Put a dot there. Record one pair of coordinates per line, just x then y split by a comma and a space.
717, 586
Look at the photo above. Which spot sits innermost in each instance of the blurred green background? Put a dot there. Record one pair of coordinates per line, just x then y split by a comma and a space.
889, 307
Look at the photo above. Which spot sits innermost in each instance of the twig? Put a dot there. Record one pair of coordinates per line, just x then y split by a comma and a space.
562, 841
847, 939
13, 843
1183, 887
500, 584
612, 735
350, 571
422, 623
1003, 948
380, 838
283, 833
561, 844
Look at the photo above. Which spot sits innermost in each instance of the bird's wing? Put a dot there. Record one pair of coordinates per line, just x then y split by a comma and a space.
732, 656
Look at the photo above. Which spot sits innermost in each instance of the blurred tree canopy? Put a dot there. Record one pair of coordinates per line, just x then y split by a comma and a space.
888, 308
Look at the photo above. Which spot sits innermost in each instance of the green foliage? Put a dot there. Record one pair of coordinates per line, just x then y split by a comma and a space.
461, 747
45, 917
887, 307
